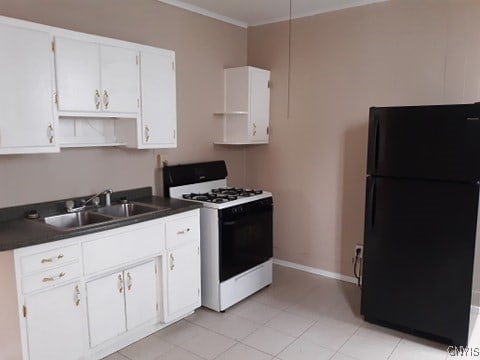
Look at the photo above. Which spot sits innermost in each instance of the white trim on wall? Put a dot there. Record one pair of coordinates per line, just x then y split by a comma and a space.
476, 309
201, 11
316, 271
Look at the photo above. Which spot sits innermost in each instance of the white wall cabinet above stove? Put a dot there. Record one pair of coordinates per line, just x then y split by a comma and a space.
27, 123
246, 116
158, 105
63, 88
96, 78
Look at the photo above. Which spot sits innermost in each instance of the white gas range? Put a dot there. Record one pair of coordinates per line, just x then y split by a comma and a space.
236, 231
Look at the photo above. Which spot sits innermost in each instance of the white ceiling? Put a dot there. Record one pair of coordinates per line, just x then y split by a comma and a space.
256, 12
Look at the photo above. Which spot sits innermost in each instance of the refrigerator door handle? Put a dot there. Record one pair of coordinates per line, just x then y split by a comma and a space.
375, 143
372, 203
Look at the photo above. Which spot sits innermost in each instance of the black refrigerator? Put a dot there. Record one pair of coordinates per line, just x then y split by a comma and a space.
421, 211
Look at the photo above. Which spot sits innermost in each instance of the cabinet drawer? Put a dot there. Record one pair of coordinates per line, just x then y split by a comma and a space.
115, 250
50, 277
48, 259
182, 231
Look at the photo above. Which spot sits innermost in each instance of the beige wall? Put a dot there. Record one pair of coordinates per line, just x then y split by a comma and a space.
203, 48
400, 52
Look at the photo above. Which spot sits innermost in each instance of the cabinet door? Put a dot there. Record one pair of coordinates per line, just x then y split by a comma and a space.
159, 108
140, 294
26, 89
77, 65
55, 324
119, 79
106, 309
183, 280
259, 105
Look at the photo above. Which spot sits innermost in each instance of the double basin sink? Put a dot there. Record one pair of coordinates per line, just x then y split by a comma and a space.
73, 220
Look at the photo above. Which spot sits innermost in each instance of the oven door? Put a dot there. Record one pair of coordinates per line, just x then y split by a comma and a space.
246, 237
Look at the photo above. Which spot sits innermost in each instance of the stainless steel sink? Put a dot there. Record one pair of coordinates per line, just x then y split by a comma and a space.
77, 219
130, 209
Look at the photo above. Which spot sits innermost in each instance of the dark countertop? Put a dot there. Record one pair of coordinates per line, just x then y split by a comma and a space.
21, 232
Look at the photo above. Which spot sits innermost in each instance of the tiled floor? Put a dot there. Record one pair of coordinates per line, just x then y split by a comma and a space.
300, 316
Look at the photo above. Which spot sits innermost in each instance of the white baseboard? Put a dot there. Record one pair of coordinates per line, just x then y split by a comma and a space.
316, 271
475, 309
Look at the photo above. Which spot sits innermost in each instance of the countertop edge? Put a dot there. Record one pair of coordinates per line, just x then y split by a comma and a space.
15, 234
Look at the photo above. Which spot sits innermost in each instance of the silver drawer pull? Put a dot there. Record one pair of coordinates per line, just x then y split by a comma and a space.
129, 281
53, 278
181, 232
77, 296
120, 283
52, 259
172, 262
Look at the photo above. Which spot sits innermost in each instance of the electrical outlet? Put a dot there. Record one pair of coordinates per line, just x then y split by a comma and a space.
359, 247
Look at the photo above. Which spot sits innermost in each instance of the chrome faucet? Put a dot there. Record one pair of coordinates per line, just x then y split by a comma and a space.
93, 199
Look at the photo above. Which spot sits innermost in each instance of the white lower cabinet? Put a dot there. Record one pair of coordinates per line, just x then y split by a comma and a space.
121, 301
54, 322
183, 280
73, 306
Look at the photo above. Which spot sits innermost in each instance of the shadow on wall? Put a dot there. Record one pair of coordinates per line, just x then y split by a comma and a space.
353, 193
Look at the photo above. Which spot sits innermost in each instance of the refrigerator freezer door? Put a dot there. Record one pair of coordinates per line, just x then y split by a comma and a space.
425, 142
418, 256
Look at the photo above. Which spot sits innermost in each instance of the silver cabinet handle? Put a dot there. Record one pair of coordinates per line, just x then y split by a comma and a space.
51, 133
172, 262
147, 133
254, 129
182, 232
106, 99
120, 283
129, 281
97, 99
52, 259
53, 278
76, 298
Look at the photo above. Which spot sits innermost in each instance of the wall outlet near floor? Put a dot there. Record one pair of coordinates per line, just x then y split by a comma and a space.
359, 250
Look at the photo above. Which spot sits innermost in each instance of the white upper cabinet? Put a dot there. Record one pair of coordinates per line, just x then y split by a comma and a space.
119, 79
158, 94
62, 88
95, 78
246, 115
27, 123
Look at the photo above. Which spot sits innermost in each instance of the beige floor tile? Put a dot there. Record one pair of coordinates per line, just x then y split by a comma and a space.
279, 298
368, 347
115, 356
290, 324
208, 344
254, 311
149, 348
180, 332
380, 333
206, 317
268, 340
330, 333
243, 352
339, 356
179, 354
419, 349
303, 350
235, 327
